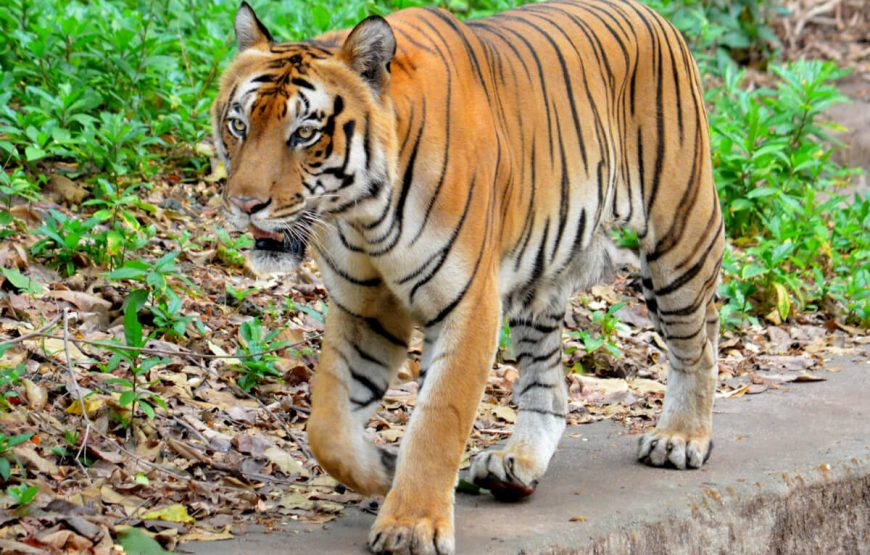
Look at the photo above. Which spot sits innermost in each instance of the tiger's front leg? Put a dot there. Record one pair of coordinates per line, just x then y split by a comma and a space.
360, 356
417, 515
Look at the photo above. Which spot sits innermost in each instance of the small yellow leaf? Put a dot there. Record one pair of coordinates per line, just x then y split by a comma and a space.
739, 392
92, 405
171, 513
783, 301
219, 172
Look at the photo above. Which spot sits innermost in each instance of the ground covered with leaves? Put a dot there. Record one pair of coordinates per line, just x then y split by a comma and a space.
152, 387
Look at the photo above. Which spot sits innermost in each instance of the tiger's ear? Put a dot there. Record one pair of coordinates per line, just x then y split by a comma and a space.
369, 49
250, 31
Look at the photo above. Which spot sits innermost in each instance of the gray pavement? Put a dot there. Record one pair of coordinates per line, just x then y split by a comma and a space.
790, 473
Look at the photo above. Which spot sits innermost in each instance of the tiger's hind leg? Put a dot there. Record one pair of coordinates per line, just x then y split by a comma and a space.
680, 299
513, 472
360, 356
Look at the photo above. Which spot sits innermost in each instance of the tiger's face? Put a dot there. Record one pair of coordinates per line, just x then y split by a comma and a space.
306, 133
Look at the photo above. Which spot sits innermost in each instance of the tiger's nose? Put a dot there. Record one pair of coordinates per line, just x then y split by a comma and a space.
249, 205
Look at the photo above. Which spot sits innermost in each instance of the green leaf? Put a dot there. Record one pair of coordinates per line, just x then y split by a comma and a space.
126, 398
33, 153
5, 468
102, 215
151, 362
120, 381
137, 542
752, 270
114, 242
147, 409
22, 282
464, 486
126, 272
132, 326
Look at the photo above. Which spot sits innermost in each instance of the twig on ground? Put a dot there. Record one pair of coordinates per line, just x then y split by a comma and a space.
78, 393
36, 333
190, 429
214, 465
300, 441
150, 351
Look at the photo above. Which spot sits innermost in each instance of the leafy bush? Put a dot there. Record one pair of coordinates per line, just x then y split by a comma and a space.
779, 191
740, 29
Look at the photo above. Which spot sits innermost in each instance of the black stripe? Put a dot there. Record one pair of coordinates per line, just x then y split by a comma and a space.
689, 274
375, 326
542, 412
540, 358
537, 385
367, 357
302, 83
362, 282
539, 327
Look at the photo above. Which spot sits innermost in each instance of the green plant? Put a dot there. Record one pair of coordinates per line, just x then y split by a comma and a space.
23, 283
22, 495
768, 144
9, 377
164, 303
239, 295
71, 439
257, 353
18, 184
134, 392
504, 338
68, 242
740, 29
229, 247
778, 187
607, 324
6, 444
115, 209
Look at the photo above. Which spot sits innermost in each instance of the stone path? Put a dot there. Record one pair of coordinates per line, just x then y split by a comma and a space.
790, 474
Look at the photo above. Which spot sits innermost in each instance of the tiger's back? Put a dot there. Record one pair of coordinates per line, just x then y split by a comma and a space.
575, 115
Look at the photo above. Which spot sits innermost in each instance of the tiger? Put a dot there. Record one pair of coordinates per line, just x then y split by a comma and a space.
453, 176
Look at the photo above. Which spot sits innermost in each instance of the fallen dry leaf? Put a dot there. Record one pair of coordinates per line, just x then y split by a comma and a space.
171, 513
37, 396
34, 461
284, 461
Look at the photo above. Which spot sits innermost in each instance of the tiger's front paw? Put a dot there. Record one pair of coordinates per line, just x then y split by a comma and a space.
682, 451
413, 528
507, 475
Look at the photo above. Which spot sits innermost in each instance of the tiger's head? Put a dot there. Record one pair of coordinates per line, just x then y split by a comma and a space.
307, 133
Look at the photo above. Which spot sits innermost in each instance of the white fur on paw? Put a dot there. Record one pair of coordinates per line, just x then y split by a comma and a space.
420, 538
508, 476
658, 448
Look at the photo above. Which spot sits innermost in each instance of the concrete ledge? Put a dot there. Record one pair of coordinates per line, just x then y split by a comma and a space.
790, 474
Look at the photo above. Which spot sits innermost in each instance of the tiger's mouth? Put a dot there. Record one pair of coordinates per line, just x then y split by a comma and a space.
277, 242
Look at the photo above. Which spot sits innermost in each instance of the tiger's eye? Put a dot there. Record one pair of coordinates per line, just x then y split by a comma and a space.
237, 126
305, 132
